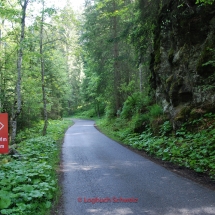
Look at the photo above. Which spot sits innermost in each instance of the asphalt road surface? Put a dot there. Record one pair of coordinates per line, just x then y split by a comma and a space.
101, 177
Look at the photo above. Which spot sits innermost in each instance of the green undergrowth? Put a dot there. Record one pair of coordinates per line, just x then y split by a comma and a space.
28, 179
191, 148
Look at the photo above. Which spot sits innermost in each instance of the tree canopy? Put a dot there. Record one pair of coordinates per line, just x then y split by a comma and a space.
44, 50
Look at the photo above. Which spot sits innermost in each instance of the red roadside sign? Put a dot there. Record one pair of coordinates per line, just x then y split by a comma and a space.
4, 133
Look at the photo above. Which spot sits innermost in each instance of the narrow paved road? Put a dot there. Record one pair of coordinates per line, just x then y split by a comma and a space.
101, 177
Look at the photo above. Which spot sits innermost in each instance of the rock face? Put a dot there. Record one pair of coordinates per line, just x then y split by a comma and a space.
183, 61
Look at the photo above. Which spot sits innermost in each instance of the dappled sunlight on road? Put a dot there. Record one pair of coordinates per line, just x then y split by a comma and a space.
183, 211
113, 165
117, 211
84, 125
171, 211
194, 211
79, 133
78, 167
73, 134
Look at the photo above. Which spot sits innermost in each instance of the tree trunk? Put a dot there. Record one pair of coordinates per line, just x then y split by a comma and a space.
18, 103
2, 69
68, 73
116, 61
45, 115
141, 77
1, 75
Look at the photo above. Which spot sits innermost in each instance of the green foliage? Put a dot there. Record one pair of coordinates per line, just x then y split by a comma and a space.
144, 19
155, 111
137, 108
87, 113
110, 111
211, 54
62, 60
128, 107
135, 103
28, 181
165, 128
194, 150
110, 67
205, 1
5, 199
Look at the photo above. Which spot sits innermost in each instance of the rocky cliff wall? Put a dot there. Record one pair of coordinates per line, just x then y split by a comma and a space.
183, 61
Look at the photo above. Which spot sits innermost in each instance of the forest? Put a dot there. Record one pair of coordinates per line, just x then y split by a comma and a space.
143, 69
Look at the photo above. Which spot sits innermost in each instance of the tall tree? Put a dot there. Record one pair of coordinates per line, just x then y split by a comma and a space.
45, 115
18, 103
1, 65
116, 67
109, 54
68, 32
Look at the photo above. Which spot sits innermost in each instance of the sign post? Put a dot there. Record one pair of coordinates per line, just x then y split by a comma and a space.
4, 133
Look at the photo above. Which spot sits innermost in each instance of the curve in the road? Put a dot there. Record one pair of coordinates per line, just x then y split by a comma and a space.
101, 177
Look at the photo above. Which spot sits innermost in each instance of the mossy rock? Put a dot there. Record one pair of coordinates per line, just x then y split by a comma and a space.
184, 114
196, 113
208, 108
176, 84
156, 123
206, 64
171, 55
157, 51
167, 83
169, 79
174, 90
204, 67
157, 56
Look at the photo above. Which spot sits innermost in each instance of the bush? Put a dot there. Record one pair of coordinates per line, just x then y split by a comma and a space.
88, 113
110, 112
28, 180
155, 111
136, 103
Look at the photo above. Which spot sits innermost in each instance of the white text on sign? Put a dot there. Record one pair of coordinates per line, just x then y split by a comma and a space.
2, 139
